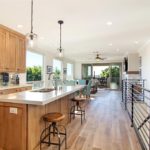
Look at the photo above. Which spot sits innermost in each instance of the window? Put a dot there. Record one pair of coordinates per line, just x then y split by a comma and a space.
34, 65
89, 71
69, 71
57, 68
86, 71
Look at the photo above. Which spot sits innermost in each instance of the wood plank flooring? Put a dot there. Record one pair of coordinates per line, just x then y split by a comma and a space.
107, 126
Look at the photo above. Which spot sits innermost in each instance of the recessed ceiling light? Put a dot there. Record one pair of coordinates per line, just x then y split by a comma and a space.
109, 23
20, 26
136, 42
110, 44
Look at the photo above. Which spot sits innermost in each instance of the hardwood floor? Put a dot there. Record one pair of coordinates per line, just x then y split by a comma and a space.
107, 126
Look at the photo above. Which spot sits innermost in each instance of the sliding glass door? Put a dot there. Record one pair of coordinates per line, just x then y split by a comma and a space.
102, 74
115, 74
108, 75
86, 71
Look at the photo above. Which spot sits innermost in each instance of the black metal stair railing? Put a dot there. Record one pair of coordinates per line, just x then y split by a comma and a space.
144, 121
136, 100
126, 91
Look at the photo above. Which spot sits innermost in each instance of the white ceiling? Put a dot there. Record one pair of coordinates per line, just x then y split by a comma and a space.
84, 30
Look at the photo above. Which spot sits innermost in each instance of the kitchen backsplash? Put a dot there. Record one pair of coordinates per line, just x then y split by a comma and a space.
22, 78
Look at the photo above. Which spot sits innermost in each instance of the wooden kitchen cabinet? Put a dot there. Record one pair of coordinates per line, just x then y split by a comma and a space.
11, 53
3, 35
21, 55
13, 126
12, 50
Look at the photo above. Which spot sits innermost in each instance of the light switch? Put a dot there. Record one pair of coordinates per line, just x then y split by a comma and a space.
13, 110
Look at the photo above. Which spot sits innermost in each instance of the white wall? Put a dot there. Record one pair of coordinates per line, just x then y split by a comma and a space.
78, 70
65, 66
133, 62
145, 54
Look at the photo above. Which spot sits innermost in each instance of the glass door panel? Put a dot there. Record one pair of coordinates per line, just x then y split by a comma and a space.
115, 76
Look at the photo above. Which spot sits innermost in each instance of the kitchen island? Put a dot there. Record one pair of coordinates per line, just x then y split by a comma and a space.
21, 115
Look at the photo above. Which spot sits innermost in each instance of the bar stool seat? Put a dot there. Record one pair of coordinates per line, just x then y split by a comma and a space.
52, 131
53, 117
79, 99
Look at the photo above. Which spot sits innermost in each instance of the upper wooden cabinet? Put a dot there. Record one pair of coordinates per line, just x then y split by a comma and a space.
21, 55
11, 53
3, 37
12, 50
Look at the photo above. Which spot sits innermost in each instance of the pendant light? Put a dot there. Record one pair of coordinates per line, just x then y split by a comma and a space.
31, 36
60, 22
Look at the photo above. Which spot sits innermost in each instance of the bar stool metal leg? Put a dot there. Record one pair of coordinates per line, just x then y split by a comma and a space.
72, 112
65, 137
49, 134
54, 132
79, 110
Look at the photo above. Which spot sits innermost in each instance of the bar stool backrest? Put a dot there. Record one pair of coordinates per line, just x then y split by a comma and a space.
82, 82
88, 91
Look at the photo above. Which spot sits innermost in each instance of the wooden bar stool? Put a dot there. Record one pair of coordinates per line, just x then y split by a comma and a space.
53, 131
77, 109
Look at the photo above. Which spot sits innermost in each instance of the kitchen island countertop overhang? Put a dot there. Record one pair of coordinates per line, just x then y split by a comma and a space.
39, 98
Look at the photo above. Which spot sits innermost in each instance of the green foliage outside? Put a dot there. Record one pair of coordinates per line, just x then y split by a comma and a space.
57, 74
34, 73
105, 73
114, 72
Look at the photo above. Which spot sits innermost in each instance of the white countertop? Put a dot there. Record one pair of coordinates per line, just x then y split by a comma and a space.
14, 86
39, 98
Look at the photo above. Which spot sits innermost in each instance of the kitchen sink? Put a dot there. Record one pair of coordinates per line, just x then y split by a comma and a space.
44, 90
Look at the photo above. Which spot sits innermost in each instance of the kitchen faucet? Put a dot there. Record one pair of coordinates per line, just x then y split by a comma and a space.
55, 80
50, 74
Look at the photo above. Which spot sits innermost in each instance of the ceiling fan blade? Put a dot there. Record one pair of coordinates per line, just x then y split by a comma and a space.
102, 58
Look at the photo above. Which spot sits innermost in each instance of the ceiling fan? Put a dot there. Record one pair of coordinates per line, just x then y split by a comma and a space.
98, 58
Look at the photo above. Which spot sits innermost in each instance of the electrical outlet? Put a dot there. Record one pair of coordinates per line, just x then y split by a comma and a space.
13, 110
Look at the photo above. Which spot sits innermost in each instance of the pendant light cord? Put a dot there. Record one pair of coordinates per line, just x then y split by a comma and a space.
60, 38
31, 16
